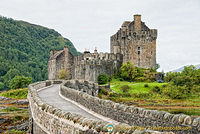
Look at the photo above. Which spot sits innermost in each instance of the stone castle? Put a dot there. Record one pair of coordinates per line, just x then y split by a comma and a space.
134, 42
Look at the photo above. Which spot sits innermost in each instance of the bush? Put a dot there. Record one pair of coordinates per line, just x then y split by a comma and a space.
156, 89
103, 91
114, 95
142, 95
63, 74
175, 92
146, 85
125, 88
103, 79
140, 79
16, 94
20, 82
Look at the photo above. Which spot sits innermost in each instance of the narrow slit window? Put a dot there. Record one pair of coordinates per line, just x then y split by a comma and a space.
139, 50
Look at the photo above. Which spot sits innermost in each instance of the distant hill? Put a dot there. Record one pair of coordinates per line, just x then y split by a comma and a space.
24, 49
182, 68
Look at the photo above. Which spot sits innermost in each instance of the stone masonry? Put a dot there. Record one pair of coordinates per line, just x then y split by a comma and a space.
134, 42
48, 119
133, 116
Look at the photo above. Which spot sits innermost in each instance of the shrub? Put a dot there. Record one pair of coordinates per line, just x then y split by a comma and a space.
114, 95
140, 79
103, 79
63, 74
20, 82
175, 92
142, 95
128, 71
125, 88
103, 91
16, 94
146, 85
156, 89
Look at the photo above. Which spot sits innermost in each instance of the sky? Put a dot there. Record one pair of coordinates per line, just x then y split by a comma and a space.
90, 23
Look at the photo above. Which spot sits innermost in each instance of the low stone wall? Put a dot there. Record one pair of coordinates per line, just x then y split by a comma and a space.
88, 87
134, 116
47, 119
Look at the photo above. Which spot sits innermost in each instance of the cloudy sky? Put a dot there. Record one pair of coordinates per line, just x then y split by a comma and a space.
90, 23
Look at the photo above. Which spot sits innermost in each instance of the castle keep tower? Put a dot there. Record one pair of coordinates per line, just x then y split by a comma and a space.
136, 42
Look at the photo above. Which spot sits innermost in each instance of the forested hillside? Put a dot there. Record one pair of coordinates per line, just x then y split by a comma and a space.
24, 50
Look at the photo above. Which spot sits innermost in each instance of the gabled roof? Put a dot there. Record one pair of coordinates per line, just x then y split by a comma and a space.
56, 54
126, 23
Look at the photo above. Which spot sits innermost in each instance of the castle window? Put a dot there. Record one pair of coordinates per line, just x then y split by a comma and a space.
139, 50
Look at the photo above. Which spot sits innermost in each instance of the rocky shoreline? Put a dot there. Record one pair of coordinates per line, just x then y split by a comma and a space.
13, 115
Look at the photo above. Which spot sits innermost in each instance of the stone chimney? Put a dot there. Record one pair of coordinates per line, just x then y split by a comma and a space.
51, 52
137, 22
66, 49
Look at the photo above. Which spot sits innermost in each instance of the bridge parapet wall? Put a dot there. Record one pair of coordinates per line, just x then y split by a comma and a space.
47, 119
134, 116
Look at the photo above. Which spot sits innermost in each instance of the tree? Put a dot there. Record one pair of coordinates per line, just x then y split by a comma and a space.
1, 86
128, 71
103, 79
63, 74
20, 82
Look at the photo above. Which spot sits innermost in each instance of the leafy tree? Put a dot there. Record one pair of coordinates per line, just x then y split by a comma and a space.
20, 82
1, 86
63, 74
128, 71
103, 79
182, 85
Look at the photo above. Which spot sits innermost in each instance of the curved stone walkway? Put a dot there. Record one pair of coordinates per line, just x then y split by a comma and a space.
51, 96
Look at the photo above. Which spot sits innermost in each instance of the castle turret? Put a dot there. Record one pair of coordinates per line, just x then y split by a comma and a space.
137, 22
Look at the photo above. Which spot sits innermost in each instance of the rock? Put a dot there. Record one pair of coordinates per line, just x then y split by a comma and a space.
4, 98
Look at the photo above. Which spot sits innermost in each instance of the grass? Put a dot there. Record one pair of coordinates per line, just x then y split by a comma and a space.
141, 95
15, 93
13, 131
136, 87
13, 109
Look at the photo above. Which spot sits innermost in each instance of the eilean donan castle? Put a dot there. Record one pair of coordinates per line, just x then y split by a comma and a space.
134, 42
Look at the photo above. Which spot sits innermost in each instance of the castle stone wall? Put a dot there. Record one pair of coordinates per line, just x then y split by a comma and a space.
90, 65
136, 42
134, 116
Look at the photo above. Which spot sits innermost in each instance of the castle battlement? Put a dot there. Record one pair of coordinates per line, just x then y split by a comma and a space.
97, 58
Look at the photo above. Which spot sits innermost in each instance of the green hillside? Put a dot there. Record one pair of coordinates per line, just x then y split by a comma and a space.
24, 50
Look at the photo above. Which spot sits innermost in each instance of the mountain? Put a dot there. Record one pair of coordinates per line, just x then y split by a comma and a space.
24, 49
182, 68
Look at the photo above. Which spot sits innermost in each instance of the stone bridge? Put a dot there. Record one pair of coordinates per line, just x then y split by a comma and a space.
72, 107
